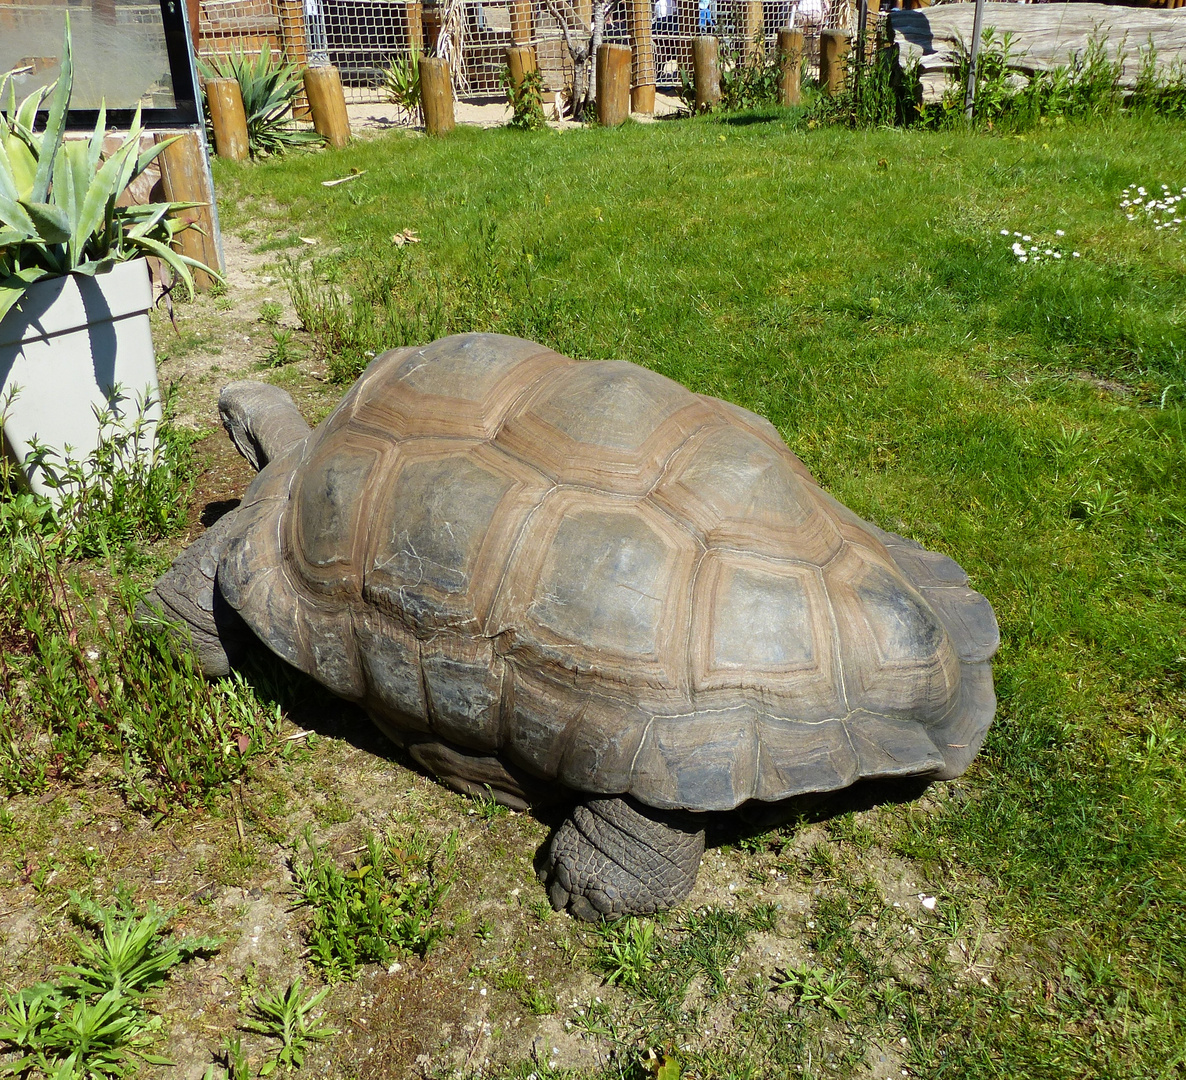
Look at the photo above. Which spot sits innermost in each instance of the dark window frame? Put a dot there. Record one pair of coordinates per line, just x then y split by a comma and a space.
185, 112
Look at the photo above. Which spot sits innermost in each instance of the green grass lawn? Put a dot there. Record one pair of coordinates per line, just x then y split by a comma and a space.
1027, 419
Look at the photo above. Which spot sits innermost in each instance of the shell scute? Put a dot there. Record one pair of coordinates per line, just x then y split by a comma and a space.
442, 530
601, 585
789, 667
606, 425
897, 658
738, 491
330, 497
461, 386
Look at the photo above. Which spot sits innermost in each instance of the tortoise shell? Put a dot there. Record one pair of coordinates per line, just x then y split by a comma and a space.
599, 577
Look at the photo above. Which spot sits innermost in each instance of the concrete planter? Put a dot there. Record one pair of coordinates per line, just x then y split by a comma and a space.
78, 347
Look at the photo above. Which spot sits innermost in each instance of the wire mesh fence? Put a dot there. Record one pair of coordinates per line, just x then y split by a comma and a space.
226, 27
363, 37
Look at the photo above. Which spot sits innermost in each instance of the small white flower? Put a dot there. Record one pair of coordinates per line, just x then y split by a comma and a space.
1058, 254
1017, 234
1059, 232
1023, 258
1004, 232
1027, 238
1075, 254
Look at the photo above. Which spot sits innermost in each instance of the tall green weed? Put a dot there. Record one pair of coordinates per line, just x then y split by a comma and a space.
80, 682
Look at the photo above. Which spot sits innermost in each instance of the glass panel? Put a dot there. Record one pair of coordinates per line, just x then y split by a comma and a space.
119, 50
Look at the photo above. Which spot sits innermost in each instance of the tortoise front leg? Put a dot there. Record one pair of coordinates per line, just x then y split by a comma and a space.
612, 857
188, 593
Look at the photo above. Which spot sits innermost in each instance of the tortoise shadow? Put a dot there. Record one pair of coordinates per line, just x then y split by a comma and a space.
754, 818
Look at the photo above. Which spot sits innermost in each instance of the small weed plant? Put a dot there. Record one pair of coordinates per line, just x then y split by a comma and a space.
386, 904
814, 987
525, 99
749, 82
626, 952
282, 350
99, 1011
287, 1015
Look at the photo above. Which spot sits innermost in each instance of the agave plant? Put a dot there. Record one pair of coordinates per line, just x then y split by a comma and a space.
58, 212
269, 88
401, 80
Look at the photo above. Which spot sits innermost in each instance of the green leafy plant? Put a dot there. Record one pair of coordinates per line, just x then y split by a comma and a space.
287, 1015
487, 807
58, 199
86, 1024
280, 352
385, 904
813, 987
626, 951
80, 678
268, 87
748, 82
525, 99
132, 486
401, 81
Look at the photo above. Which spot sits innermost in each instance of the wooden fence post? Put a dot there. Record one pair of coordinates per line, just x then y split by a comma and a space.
290, 14
184, 179
642, 44
327, 103
753, 31
833, 61
613, 84
790, 60
436, 95
521, 62
227, 118
706, 71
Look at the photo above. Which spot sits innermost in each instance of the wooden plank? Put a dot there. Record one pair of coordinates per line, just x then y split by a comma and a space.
1044, 36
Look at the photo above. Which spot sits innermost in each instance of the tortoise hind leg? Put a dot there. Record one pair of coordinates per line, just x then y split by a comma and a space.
188, 593
611, 858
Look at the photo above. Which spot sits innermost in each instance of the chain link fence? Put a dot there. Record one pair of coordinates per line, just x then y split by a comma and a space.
363, 37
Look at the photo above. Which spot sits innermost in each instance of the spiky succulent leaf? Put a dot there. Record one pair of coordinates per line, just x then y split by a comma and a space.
150, 155
94, 149
27, 112
51, 222
176, 262
55, 122
13, 287
14, 216
22, 165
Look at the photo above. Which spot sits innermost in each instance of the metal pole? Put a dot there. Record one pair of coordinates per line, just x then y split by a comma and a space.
970, 94
862, 22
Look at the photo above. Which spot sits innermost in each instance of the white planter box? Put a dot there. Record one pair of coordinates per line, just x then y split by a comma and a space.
77, 347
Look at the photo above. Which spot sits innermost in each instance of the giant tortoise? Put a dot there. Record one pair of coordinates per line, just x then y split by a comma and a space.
554, 579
